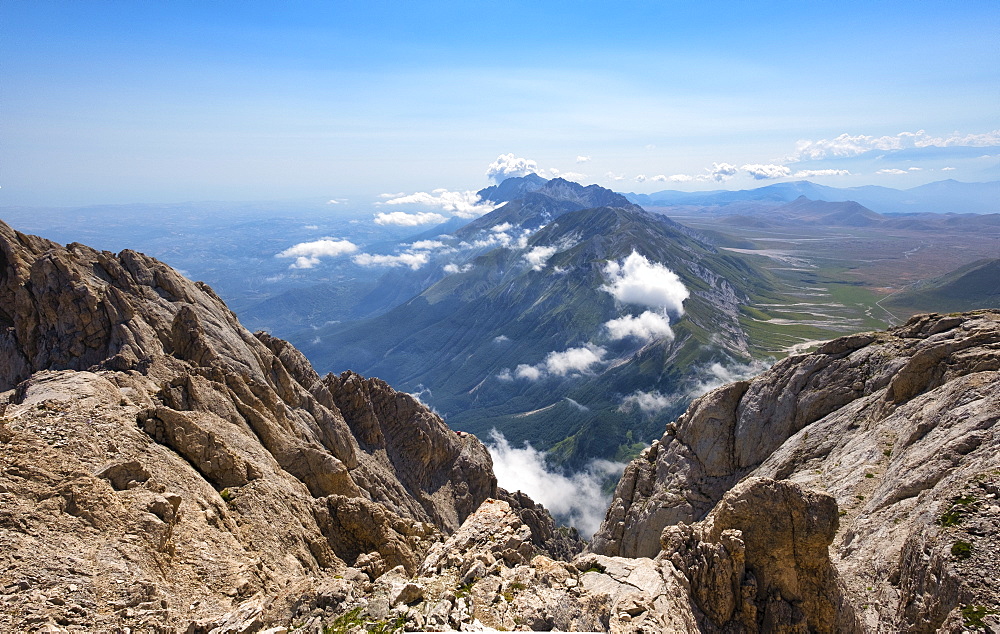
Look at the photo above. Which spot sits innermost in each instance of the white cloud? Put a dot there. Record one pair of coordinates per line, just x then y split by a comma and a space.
812, 173
336, 201
530, 372
638, 281
641, 178
583, 159
501, 339
766, 172
722, 172
454, 268
681, 178
647, 326
570, 176
614, 177
503, 226
947, 169
311, 227
575, 498
404, 219
573, 360
307, 254
915, 169
538, 256
891, 171
465, 204
647, 402
508, 165
568, 362
397, 195
412, 260
659, 178
848, 145
428, 245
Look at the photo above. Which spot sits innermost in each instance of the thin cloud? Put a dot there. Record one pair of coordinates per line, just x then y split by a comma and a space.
412, 260
891, 171
538, 256
647, 402
308, 254
404, 219
814, 173
847, 145
455, 268
583, 159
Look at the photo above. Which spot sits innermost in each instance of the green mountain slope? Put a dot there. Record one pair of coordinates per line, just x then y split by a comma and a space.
461, 342
974, 286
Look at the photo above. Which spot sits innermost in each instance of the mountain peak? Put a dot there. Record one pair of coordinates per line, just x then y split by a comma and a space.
512, 188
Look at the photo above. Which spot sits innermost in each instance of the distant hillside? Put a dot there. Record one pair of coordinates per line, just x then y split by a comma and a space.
970, 287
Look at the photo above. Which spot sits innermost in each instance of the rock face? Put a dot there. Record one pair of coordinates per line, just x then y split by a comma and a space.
158, 461
900, 427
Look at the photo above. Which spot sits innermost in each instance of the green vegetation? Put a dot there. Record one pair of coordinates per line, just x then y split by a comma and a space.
354, 619
961, 549
973, 615
226, 495
465, 589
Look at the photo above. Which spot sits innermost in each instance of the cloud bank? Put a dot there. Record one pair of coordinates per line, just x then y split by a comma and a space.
307, 254
574, 498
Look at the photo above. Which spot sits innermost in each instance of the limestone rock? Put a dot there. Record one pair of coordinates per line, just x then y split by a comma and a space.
896, 426
161, 466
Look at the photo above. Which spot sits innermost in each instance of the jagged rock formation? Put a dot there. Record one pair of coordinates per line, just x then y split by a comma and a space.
159, 460
900, 427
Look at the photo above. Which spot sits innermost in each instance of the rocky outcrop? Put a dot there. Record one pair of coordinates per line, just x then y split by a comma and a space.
896, 426
162, 469
153, 447
758, 563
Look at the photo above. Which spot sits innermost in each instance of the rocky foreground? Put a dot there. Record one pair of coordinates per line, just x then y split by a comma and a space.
163, 469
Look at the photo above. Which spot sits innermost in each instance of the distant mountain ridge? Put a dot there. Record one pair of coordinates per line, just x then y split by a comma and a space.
937, 197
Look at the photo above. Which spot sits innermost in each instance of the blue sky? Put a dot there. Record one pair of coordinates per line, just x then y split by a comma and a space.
113, 102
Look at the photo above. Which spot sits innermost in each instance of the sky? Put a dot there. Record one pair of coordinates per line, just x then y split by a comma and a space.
358, 102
